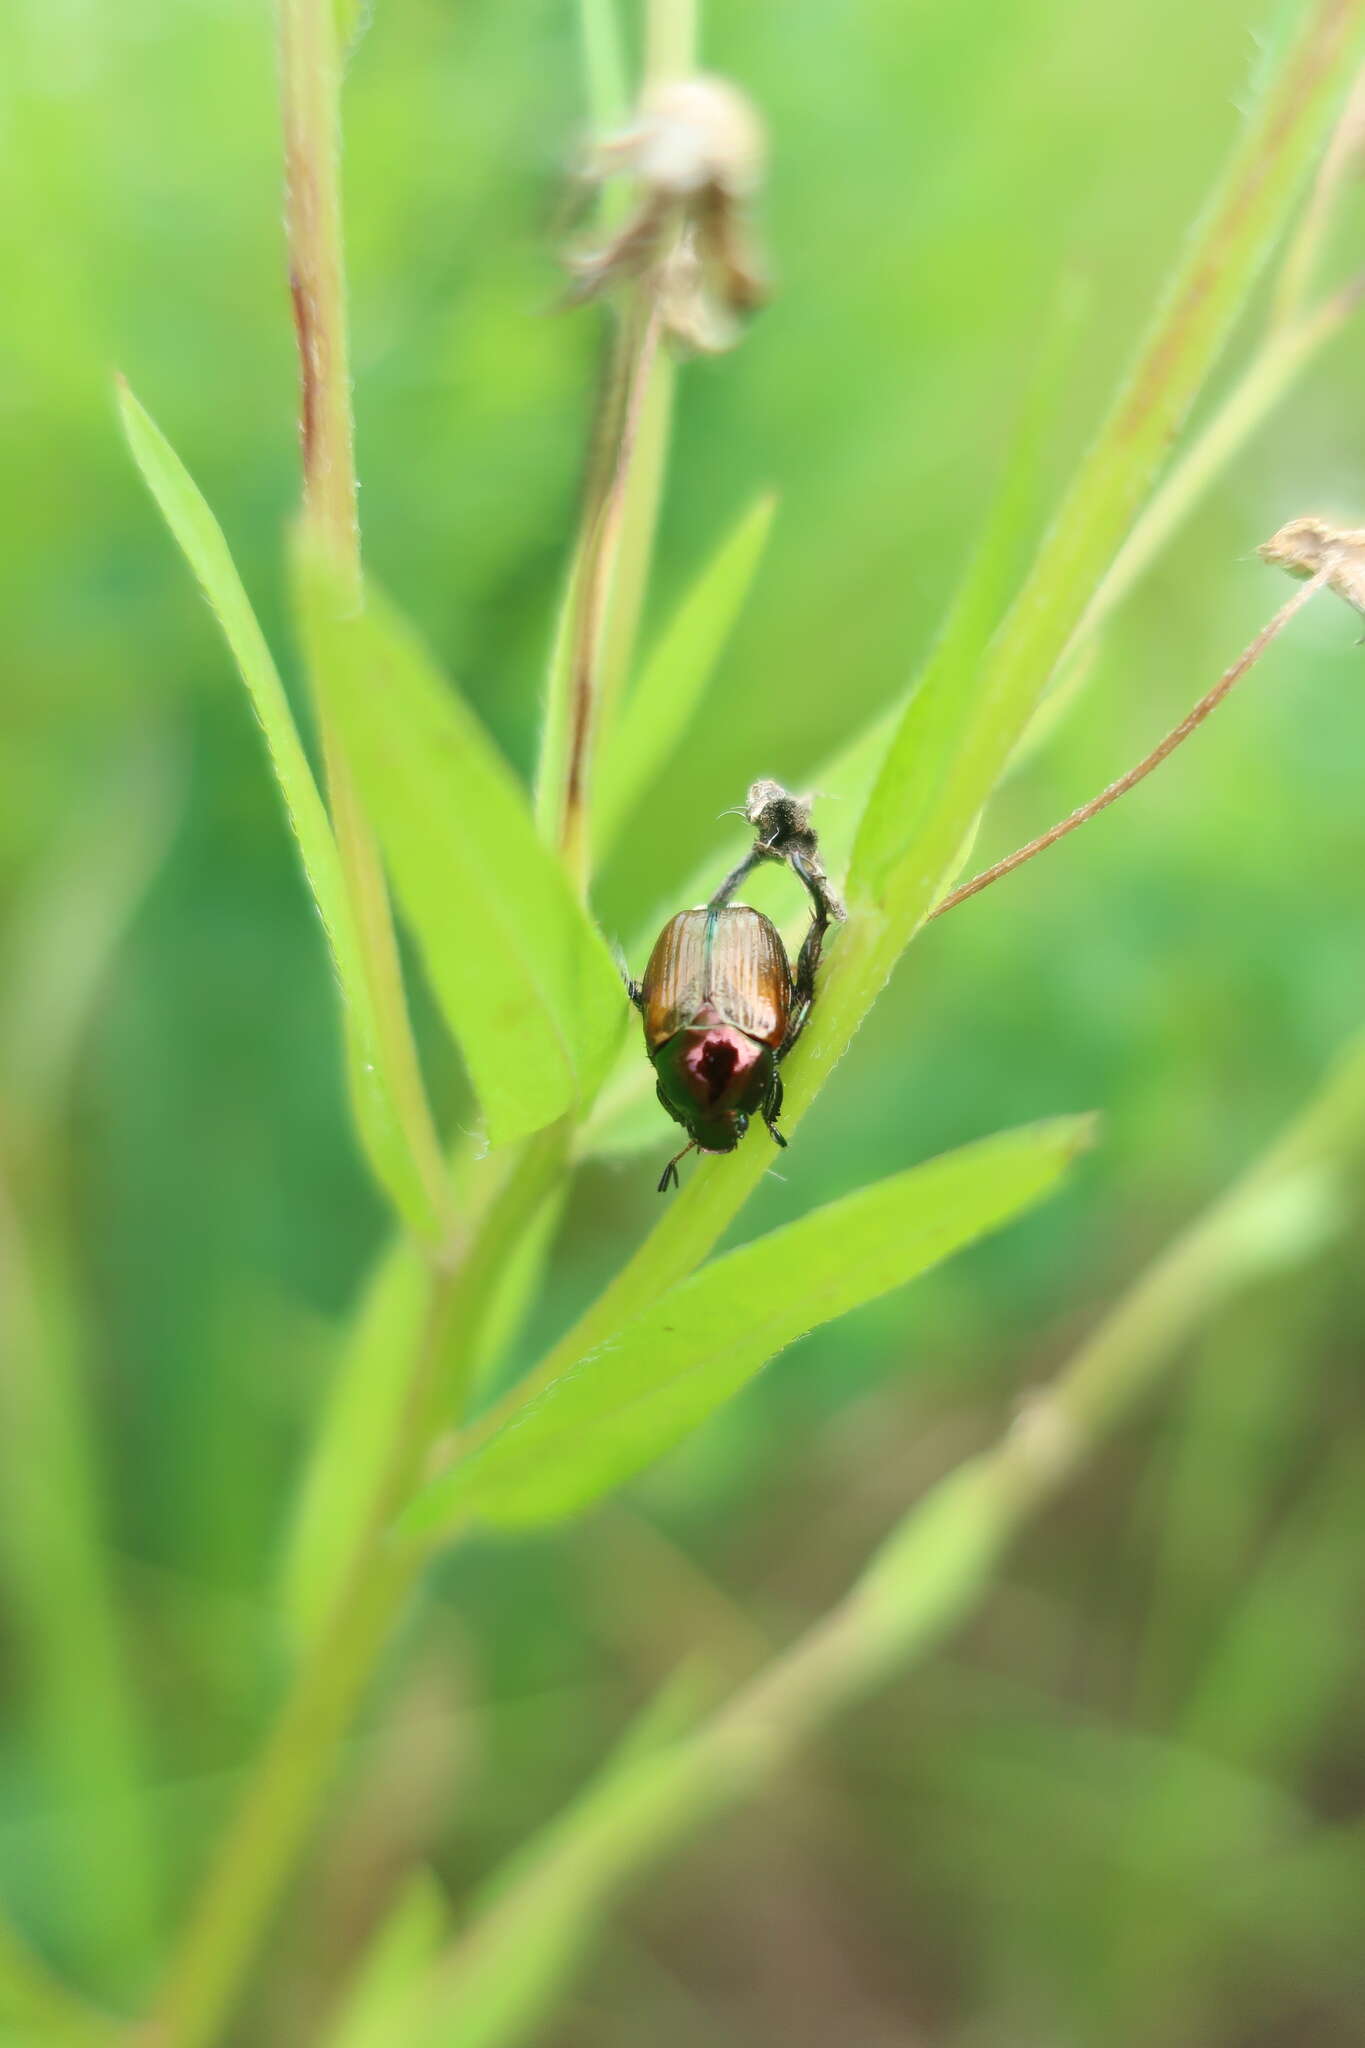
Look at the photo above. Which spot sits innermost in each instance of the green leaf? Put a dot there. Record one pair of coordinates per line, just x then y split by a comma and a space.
35, 2007
355, 1442
526, 984
937, 709
200, 538
661, 705
622, 1406
397, 1957
352, 19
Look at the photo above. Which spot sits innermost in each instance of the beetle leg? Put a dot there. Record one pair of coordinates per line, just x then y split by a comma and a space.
825, 904
634, 989
664, 1103
751, 860
807, 965
670, 1172
772, 1110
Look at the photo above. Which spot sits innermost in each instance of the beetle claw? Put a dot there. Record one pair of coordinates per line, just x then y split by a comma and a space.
670, 1172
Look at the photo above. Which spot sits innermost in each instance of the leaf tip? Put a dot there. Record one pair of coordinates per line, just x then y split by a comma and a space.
1082, 1133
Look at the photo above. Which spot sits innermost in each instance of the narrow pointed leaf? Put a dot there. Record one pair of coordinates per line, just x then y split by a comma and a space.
201, 541
940, 702
660, 708
355, 1441
393, 1964
623, 1405
527, 985
36, 2008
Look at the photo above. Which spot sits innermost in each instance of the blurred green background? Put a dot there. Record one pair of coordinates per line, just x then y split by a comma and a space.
1125, 1805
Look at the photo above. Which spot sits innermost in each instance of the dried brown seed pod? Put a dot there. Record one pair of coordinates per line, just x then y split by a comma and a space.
696, 150
1304, 547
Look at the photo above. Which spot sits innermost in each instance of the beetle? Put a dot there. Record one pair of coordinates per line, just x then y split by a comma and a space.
721, 1005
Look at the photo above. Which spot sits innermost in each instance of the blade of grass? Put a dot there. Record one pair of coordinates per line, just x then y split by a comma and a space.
369, 1407
354, 1443
1276, 367
939, 704
69, 923
1278, 1667
397, 1146
227, 1920
1299, 267
620, 1408
77, 1687
525, 982
54, 1556
41, 2011
403, 1946
501, 1978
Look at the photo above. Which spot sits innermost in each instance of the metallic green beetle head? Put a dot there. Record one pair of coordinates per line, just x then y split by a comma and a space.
713, 1078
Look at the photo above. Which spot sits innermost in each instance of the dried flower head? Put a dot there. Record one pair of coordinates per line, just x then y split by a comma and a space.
689, 134
782, 831
695, 149
1305, 547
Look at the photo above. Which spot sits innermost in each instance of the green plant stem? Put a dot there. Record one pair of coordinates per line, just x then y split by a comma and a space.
493, 1986
600, 613
272, 1821
1189, 724
1301, 259
1277, 365
671, 39
310, 70
630, 377
604, 68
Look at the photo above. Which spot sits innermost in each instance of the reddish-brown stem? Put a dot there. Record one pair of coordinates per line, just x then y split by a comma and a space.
1190, 723
594, 592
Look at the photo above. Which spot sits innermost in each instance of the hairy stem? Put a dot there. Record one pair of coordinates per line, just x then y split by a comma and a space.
310, 68
1277, 364
1190, 723
622, 491
630, 376
1301, 258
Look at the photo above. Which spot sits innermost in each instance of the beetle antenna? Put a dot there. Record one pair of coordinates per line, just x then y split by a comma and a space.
670, 1172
